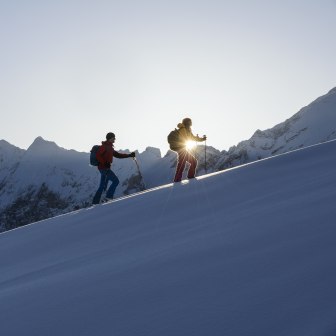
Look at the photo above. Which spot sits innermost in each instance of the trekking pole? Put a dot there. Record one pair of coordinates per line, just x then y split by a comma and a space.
205, 160
139, 172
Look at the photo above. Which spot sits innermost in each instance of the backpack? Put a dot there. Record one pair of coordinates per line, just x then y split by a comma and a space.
174, 140
93, 158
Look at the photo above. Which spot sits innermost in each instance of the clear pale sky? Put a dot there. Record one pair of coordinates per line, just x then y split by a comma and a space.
71, 71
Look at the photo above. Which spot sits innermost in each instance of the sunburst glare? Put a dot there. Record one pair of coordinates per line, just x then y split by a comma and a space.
190, 144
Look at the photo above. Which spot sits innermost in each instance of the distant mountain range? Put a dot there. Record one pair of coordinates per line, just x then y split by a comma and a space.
46, 180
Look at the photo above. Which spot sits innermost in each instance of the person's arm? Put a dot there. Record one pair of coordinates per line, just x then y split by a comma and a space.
197, 138
122, 155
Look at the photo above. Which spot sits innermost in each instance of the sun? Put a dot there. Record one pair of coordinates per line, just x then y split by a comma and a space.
190, 144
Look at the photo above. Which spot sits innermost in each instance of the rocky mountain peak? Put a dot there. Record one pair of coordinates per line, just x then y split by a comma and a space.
39, 144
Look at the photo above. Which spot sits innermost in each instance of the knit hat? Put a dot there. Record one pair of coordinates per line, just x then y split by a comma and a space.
186, 121
110, 135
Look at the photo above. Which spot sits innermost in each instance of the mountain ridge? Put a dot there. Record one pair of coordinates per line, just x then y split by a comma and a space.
65, 175
313, 124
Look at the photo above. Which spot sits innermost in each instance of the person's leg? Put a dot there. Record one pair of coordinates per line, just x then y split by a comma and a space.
181, 162
101, 188
193, 164
115, 181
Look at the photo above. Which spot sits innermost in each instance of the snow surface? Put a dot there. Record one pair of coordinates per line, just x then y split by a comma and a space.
248, 251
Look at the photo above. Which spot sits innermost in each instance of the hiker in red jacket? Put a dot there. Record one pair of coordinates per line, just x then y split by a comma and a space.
105, 156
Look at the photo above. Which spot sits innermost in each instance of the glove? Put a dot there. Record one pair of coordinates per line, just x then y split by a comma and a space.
132, 155
107, 165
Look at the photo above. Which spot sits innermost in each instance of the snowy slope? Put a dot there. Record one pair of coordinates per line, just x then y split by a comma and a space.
249, 251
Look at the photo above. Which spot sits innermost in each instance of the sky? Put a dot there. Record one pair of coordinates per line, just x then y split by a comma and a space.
258, 260
71, 71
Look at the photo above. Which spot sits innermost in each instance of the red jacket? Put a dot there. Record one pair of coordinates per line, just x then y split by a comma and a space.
106, 153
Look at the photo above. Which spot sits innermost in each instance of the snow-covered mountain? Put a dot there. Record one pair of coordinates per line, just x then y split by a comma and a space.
10, 156
315, 123
244, 252
46, 180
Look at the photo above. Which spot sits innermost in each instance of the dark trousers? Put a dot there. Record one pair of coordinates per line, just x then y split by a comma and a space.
183, 157
106, 175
